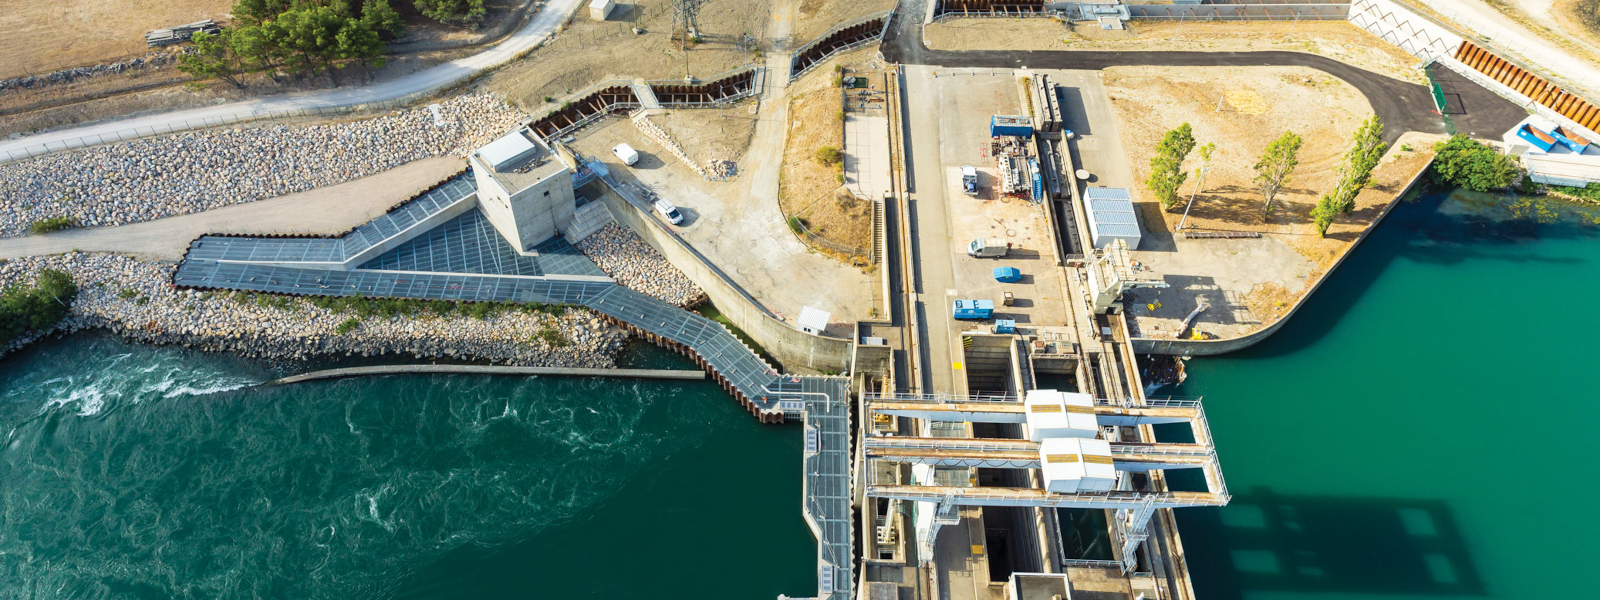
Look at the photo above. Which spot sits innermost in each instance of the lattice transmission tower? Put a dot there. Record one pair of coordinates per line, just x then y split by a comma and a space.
686, 21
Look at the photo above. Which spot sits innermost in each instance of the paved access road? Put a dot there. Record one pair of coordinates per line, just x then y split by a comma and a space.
544, 23
1402, 106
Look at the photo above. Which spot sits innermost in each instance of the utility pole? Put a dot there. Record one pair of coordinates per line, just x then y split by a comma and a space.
1200, 180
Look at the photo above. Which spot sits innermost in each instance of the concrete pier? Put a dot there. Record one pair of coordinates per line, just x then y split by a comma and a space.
488, 370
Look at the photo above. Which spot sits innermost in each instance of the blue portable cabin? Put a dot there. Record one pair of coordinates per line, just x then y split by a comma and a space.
1010, 125
972, 309
1007, 274
1569, 138
1005, 326
1533, 135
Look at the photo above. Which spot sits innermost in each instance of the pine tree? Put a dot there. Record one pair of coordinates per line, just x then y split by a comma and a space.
1166, 167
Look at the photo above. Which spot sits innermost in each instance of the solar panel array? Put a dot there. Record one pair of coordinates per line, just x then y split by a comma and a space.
465, 244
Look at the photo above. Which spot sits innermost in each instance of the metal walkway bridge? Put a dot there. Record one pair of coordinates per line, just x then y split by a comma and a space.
438, 247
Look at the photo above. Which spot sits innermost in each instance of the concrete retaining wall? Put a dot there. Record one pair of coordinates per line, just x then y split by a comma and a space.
1215, 347
797, 350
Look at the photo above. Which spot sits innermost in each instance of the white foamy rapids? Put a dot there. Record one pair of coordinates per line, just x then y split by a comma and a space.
95, 382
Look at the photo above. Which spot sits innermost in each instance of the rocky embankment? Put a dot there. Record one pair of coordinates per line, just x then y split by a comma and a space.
151, 178
136, 300
631, 261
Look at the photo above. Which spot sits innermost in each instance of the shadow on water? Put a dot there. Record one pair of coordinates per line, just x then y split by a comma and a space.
1424, 231
1266, 541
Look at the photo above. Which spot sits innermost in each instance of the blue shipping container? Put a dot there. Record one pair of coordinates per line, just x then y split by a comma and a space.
1007, 274
1005, 326
972, 309
1009, 125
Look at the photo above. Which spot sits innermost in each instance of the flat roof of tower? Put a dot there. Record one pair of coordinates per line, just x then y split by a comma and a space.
518, 160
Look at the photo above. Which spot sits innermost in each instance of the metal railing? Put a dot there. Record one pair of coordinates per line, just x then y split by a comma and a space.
939, 398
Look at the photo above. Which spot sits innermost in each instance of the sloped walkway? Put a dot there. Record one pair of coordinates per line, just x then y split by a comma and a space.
465, 259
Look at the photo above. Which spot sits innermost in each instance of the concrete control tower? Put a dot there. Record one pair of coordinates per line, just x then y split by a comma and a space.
524, 188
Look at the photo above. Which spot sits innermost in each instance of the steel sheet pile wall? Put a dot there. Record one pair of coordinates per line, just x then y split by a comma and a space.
1300, 11
1521, 81
988, 8
737, 85
607, 100
841, 39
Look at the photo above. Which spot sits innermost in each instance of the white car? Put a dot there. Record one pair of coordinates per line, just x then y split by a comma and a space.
625, 152
669, 211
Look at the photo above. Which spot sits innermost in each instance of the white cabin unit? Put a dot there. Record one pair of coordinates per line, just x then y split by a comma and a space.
1057, 414
1111, 217
1073, 465
600, 9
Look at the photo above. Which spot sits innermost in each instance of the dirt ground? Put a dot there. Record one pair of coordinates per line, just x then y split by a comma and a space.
711, 134
1567, 14
1338, 40
816, 17
39, 37
587, 52
1257, 105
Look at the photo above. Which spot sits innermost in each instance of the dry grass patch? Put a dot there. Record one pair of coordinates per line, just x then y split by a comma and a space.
39, 37
816, 17
1149, 101
811, 189
1338, 40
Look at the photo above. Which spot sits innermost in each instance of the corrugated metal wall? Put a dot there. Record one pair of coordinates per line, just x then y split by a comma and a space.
1548, 94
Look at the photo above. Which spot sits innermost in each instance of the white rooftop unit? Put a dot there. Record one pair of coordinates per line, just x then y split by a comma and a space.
1112, 217
1071, 465
506, 152
813, 320
600, 9
1057, 414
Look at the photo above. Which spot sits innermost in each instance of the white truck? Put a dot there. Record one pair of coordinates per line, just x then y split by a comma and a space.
969, 180
668, 211
987, 248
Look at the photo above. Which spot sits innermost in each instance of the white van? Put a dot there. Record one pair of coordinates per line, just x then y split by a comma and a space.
669, 211
626, 153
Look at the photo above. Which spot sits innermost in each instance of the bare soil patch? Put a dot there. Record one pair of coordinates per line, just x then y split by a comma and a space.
587, 52
39, 37
1338, 40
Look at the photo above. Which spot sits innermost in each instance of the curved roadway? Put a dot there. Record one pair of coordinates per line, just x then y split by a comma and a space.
1402, 106
545, 22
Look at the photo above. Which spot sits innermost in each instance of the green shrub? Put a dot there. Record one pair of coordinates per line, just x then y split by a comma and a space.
1469, 164
797, 225
829, 155
127, 293
38, 307
551, 337
347, 326
52, 224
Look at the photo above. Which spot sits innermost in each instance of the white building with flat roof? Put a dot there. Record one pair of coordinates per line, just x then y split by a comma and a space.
524, 188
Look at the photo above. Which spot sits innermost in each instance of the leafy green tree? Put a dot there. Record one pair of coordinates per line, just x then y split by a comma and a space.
1276, 168
382, 18
1366, 149
1469, 164
211, 56
1166, 167
359, 41
451, 11
310, 35
256, 12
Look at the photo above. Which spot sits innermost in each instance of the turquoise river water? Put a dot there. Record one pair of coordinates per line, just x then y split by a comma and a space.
1422, 429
